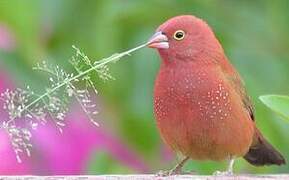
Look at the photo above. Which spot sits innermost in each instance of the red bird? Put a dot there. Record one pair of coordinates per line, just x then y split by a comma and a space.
200, 103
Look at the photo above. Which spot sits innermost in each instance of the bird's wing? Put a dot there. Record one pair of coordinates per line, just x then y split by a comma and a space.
238, 84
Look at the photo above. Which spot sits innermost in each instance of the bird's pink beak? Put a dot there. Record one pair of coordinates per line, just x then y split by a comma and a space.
158, 41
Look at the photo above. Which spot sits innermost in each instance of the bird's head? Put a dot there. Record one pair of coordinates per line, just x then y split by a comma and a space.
184, 37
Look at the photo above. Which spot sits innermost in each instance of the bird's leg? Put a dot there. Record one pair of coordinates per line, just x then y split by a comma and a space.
229, 169
231, 166
176, 170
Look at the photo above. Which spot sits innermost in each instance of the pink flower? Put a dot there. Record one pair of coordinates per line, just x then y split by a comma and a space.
54, 153
70, 152
8, 162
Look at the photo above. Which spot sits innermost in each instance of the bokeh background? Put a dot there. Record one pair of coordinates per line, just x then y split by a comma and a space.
254, 35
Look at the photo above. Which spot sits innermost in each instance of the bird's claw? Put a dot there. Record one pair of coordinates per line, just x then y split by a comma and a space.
174, 172
162, 173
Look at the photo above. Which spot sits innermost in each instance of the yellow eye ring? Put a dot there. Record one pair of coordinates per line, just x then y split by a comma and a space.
179, 35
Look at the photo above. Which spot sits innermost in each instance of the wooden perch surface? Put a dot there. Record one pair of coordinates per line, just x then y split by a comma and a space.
149, 177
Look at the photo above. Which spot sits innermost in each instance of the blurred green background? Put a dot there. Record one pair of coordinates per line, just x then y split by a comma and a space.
254, 35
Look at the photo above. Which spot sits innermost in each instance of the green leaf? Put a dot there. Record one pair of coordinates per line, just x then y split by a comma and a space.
278, 103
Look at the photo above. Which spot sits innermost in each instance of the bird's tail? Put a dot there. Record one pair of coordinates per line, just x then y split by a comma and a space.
262, 152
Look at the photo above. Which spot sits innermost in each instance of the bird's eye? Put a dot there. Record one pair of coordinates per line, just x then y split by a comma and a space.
179, 35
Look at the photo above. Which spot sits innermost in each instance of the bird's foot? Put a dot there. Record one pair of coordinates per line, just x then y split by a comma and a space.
174, 172
223, 173
164, 173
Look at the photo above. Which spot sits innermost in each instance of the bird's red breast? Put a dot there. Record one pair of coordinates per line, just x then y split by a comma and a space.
198, 109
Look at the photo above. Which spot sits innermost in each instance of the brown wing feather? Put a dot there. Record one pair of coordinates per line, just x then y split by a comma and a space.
236, 81
239, 86
261, 151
